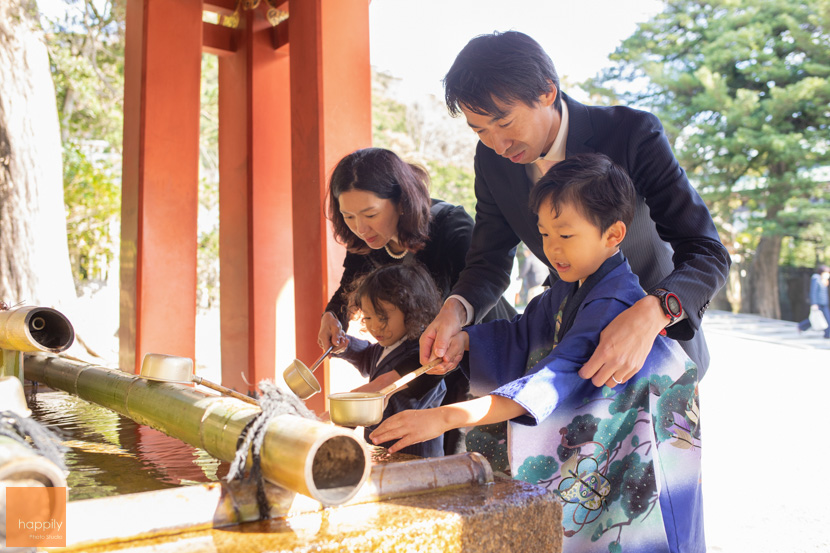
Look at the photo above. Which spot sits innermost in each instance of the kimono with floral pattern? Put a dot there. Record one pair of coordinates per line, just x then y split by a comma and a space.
625, 462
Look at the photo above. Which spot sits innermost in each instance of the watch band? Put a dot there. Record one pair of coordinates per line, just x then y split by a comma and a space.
669, 303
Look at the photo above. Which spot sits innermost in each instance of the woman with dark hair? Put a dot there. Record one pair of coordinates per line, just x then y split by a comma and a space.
382, 212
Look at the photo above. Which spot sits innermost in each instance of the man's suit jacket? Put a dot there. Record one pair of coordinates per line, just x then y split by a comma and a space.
672, 242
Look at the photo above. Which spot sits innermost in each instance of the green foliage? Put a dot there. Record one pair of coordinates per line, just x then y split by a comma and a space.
86, 51
452, 184
92, 196
207, 292
742, 88
633, 396
580, 430
640, 487
388, 116
399, 127
609, 431
674, 399
537, 468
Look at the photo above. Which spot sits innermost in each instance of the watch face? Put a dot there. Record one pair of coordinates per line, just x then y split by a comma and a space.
674, 305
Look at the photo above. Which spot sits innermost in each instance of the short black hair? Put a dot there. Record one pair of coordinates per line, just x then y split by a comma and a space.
510, 67
408, 286
594, 185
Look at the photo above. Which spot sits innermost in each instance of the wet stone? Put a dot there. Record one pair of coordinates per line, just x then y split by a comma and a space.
507, 515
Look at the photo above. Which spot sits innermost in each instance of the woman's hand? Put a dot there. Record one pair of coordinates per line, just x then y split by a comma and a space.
331, 333
625, 343
410, 427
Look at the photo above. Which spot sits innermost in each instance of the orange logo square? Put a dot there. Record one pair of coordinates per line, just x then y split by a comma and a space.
35, 517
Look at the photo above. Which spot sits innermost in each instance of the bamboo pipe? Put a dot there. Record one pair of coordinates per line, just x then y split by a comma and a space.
315, 459
31, 328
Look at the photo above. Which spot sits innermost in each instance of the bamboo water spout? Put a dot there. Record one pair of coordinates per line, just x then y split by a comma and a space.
30, 328
315, 459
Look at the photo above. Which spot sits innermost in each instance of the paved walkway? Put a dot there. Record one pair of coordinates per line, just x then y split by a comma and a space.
764, 413
754, 327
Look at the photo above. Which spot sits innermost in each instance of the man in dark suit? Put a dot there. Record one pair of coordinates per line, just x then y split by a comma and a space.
506, 87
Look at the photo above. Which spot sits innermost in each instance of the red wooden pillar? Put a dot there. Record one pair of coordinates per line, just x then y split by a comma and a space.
160, 179
331, 116
256, 265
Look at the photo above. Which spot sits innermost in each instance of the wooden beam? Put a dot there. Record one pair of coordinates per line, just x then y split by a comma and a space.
219, 40
279, 36
222, 7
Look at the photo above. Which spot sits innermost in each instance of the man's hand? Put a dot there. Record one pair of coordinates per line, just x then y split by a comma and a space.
331, 333
625, 343
437, 340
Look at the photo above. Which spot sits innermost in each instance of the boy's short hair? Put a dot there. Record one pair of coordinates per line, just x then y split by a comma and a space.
407, 286
510, 67
594, 185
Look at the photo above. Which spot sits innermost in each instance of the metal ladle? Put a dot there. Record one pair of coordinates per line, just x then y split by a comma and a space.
366, 408
169, 368
301, 379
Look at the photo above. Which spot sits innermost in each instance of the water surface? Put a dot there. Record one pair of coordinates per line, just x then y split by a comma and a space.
110, 454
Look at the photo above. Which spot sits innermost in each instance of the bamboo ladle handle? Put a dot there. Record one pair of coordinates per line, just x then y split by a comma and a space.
407, 378
223, 390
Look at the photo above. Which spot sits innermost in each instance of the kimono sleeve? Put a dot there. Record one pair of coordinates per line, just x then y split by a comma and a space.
499, 349
555, 378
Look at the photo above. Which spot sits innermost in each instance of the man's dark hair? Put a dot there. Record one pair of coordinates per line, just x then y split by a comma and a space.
510, 67
594, 185
388, 177
407, 286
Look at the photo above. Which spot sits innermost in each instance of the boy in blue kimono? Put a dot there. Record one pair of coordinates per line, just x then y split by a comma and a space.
624, 458
396, 303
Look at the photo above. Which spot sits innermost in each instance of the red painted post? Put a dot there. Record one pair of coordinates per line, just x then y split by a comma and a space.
160, 179
256, 264
331, 116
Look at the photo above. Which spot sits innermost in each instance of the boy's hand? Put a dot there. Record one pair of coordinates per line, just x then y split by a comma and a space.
410, 427
625, 343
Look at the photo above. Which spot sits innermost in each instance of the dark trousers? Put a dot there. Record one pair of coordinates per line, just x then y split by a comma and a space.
805, 324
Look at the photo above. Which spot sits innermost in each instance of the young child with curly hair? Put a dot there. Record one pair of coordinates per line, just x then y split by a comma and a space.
396, 302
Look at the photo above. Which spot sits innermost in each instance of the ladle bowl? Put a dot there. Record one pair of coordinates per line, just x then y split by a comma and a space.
366, 408
301, 379
169, 368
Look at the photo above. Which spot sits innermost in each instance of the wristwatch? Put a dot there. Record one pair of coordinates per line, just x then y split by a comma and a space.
670, 304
